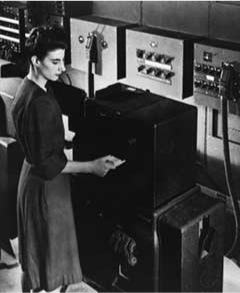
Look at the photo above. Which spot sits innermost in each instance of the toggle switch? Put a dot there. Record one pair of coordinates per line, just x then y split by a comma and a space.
141, 68
168, 74
158, 72
167, 59
148, 55
150, 70
164, 59
140, 53
156, 57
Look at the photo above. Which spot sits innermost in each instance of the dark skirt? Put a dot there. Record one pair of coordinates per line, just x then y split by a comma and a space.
48, 250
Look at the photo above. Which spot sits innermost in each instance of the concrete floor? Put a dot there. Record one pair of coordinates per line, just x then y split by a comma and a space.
10, 273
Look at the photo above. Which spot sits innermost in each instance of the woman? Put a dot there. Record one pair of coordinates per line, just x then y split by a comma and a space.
48, 250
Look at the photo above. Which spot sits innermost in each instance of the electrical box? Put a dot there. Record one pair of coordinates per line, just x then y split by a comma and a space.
209, 59
192, 245
160, 61
157, 138
111, 49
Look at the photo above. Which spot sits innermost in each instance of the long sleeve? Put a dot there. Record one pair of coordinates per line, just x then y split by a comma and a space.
45, 137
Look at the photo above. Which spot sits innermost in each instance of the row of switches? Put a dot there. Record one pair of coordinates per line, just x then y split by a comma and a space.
155, 57
163, 74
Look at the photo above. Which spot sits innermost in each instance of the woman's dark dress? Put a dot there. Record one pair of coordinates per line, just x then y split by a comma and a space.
48, 250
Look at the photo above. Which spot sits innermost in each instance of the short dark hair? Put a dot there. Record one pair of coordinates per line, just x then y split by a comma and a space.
43, 39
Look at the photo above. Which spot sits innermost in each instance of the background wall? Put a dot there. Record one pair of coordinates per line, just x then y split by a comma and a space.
224, 21
129, 11
214, 19
185, 16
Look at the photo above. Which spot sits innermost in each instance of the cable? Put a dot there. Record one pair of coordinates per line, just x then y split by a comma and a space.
224, 80
92, 55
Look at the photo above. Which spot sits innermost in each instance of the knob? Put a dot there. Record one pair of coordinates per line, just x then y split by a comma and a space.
104, 44
204, 85
211, 70
197, 83
81, 39
205, 69
198, 67
218, 71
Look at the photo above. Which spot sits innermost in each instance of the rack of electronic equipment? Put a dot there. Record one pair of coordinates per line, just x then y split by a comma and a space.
17, 18
147, 221
12, 32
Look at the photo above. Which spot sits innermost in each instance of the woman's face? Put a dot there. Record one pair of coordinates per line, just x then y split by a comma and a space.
51, 66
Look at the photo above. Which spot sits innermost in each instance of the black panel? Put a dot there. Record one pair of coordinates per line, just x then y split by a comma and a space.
11, 158
3, 130
157, 138
192, 246
184, 16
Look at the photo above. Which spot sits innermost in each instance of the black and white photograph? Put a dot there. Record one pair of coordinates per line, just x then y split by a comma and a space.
119, 146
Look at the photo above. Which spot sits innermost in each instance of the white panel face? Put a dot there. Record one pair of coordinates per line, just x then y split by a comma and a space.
106, 44
155, 62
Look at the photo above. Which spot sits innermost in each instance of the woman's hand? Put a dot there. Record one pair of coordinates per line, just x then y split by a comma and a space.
102, 166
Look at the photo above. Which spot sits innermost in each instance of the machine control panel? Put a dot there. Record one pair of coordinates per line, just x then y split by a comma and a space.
110, 50
160, 61
210, 58
206, 79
